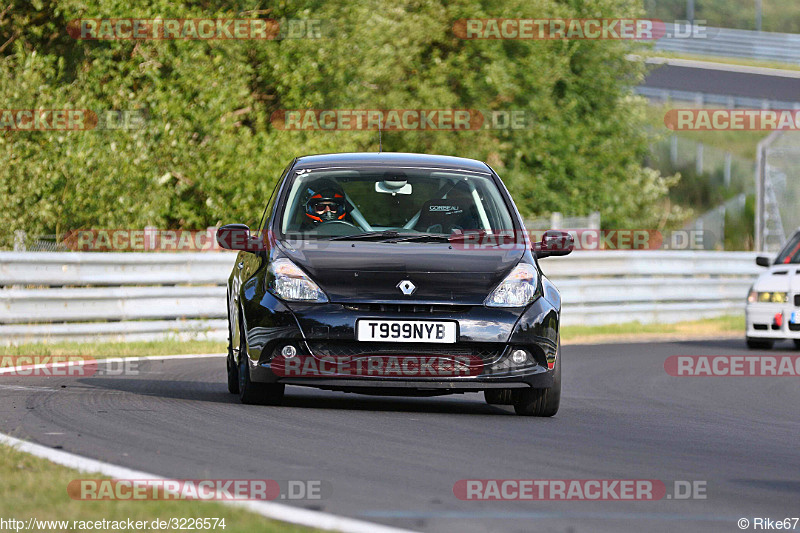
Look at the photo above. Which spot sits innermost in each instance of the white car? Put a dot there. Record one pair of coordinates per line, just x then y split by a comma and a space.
773, 305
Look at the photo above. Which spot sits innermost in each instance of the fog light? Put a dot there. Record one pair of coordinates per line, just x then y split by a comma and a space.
519, 356
288, 351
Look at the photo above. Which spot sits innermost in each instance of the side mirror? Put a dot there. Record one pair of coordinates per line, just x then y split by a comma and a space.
237, 237
554, 243
762, 261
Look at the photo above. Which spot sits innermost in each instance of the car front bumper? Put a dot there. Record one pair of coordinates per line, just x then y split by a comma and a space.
325, 333
761, 322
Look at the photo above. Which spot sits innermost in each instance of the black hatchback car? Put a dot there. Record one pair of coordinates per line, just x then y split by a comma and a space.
393, 274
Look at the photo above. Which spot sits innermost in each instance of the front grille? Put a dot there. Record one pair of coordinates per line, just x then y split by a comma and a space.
482, 350
407, 308
797, 300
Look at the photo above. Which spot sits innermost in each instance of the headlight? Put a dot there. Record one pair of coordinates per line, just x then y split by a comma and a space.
752, 297
288, 282
770, 297
517, 290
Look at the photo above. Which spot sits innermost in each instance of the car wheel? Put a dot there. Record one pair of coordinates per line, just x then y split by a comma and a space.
230, 363
251, 392
540, 402
499, 396
759, 344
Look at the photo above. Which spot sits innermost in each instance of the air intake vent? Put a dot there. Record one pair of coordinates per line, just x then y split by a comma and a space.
407, 308
486, 351
797, 300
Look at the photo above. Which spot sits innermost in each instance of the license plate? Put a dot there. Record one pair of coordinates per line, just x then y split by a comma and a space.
368, 329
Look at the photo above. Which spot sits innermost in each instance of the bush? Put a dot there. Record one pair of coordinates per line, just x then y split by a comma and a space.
208, 153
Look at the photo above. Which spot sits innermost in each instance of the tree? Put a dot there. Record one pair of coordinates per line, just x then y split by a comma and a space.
208, 152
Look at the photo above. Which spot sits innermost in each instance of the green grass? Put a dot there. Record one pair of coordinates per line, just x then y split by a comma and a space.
706, 327
117, 349
35, 487
169, 347
726, 60
739, 143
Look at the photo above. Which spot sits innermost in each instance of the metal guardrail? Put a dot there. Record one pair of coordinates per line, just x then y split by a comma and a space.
699, 99
136, 296
769, 46
50, 296
650, 287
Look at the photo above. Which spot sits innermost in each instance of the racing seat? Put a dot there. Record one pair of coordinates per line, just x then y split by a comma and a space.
458, 211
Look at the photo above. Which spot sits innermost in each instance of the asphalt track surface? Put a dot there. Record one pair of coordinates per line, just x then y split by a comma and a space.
711, 81
395, 460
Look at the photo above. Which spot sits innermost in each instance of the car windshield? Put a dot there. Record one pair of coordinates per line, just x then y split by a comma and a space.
386, 203
791, 251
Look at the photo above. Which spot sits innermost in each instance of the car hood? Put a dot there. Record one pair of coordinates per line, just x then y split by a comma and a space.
780, 278
351, 271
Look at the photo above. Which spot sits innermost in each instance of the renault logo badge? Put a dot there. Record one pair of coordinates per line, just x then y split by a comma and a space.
406, 287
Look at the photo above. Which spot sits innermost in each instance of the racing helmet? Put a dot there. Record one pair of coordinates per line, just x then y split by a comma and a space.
326, 201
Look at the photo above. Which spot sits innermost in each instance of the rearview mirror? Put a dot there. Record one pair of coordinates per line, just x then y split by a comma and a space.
237, 237
554, 243
762, 261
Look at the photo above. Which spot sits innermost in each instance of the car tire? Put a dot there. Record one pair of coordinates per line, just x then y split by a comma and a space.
759, 344
540, 402
233, 375
499, 396
253, 393
230, 364
797, 344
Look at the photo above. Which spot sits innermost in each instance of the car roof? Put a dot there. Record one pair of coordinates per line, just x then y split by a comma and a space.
391, 159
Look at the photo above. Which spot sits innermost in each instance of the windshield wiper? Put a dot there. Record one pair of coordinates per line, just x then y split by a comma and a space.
435, 237
469, 238
386, 234
393, 236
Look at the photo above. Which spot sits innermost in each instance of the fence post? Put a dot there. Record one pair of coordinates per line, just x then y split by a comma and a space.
556, 220
19, 241
150, 238
727, 174
673, 150
594, 220
761, 175
211, 233
698, 162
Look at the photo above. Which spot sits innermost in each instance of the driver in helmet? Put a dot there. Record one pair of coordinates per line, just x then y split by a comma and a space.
325, 203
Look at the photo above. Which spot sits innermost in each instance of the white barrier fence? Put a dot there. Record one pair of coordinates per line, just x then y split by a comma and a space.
711, 41
135, 296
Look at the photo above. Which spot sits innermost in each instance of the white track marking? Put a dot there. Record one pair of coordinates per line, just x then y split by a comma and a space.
276, 511
103, 360
711, 65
